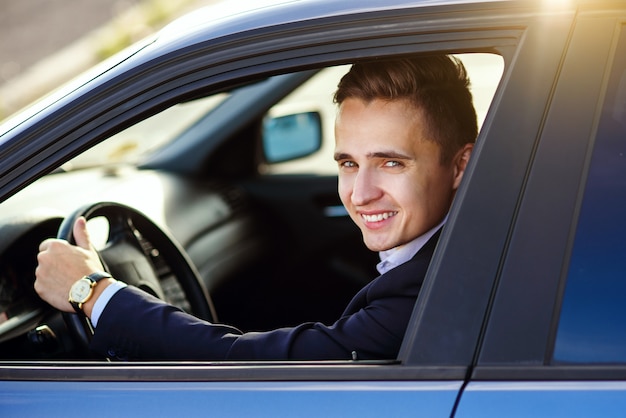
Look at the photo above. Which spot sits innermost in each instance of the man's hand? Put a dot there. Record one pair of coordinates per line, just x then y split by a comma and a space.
62, 264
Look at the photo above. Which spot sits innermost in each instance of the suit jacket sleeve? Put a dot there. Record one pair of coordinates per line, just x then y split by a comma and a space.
135, 325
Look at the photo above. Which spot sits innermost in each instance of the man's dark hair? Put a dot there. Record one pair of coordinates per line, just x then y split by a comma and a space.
438, 85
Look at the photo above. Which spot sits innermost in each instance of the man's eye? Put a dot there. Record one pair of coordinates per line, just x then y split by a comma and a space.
393, 163
347, 164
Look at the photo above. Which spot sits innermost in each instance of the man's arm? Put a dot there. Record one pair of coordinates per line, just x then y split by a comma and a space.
135, 325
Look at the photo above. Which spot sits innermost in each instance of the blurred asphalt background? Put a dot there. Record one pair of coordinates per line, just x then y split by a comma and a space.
44, 43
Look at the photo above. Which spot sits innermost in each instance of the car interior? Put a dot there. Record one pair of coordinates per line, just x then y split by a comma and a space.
231, 197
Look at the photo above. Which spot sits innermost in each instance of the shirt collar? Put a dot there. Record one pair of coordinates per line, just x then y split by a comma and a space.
393, 257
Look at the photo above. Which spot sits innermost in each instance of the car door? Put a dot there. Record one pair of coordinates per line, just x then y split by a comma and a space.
554, 342
442, 339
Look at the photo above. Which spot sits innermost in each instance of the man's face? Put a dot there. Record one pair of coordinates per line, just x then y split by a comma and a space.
391, 179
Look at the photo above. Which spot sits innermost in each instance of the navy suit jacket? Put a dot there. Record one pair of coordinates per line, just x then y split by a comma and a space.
135, 325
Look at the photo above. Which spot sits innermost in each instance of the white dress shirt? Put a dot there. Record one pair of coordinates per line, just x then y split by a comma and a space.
401, 254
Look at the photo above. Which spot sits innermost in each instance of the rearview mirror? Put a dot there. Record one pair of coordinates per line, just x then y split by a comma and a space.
293, 136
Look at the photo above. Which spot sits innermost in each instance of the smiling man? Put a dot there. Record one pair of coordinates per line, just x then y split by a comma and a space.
404, 135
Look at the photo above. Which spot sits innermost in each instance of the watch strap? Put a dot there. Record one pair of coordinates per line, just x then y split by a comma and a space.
99, 275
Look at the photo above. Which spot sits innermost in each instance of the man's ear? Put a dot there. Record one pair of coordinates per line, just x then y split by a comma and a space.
460, 163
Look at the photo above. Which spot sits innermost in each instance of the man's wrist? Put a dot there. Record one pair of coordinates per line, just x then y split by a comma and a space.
102, 302
97, 291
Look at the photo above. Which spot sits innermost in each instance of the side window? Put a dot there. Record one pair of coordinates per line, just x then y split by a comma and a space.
316, 95
592, 327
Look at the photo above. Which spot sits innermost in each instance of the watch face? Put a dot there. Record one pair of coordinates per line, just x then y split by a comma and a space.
80, 290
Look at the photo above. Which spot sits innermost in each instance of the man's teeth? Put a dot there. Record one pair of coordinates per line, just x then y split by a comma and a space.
379, 217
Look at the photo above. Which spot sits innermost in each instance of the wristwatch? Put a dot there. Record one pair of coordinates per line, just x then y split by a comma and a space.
82, 289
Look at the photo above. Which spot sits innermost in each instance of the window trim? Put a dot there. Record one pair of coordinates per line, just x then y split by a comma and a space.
414, 363
525, 310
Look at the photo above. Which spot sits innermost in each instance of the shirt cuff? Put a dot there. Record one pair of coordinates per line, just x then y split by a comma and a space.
102, 301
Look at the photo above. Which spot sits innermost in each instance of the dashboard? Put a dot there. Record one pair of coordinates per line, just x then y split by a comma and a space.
206, 219
21, 310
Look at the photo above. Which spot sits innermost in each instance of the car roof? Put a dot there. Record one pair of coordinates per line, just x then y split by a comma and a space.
231, 18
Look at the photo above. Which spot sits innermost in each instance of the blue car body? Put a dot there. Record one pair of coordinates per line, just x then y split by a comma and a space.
516, 317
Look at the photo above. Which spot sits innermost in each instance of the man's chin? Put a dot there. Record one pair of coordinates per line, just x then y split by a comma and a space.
378, 246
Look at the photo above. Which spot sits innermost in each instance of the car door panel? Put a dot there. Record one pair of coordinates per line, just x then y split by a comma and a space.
271, 399
550, 399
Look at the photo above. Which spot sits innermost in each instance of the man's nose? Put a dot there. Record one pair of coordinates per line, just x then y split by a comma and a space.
365, 188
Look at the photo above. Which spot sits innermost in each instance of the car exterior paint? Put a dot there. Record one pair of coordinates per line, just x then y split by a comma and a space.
481, 340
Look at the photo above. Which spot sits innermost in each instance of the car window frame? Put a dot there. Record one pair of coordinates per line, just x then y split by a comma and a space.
509, 36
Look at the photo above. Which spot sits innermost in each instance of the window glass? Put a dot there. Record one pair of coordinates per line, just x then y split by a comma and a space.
592, 326
129, 145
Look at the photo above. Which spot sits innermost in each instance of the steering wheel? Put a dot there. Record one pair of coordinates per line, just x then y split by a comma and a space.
139, 253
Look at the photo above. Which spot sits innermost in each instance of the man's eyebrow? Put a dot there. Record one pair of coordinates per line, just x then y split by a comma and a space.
389, 154
379, 154
341, 156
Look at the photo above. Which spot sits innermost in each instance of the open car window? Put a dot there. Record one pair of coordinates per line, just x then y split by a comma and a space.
325, 252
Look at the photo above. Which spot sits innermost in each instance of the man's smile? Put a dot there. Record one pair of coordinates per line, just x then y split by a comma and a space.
377, 217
